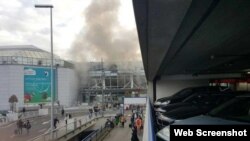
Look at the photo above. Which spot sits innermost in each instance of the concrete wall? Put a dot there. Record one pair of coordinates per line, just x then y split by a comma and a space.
150, 90
167, 87
11, 82
67, 87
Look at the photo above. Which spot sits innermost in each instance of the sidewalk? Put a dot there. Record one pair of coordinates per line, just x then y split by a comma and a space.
63, 129
121, 134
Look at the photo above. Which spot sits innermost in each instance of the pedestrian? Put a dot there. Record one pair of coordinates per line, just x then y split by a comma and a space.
19, 126
55, 122
138, 124
108, 124
58, 103
122, 119
141, 124
24, 110
134, 134
66, 119
132, 120
142, 112
138, 108
62, 112
95, 110
27, 126
90, 113
117, 120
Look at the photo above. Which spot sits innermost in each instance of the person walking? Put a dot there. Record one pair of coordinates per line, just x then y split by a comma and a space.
55, 122
62, 112
66, 119
138, 124
90, 113
132, 120
24, 110
134, 136
117, 120
19, 126
122, 120
27, 126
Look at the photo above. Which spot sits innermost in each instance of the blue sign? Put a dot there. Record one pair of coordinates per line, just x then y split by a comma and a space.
37, 85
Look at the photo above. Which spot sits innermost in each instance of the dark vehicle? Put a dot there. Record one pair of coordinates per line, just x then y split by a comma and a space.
184, 93
4, 112
234, 112
196, 105
186, 102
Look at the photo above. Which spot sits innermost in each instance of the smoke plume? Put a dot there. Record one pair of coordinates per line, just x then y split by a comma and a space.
103, 37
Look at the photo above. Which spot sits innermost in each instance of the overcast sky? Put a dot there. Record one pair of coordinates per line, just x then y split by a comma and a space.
22, 24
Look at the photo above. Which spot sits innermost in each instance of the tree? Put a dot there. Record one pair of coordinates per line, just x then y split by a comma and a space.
13, 100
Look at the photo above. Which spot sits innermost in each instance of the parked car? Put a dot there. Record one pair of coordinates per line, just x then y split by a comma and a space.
184, 93
195, 105
192, 99
234, 112
4, 112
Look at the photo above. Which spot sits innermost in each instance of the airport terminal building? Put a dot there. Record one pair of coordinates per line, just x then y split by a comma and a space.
25, 72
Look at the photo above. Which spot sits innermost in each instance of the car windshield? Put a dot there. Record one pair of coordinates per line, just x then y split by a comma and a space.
236, 109
196, 98
183, 93
207, 99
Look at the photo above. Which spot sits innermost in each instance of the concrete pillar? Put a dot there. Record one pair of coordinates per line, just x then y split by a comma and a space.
131, 81
150, 90
103, 83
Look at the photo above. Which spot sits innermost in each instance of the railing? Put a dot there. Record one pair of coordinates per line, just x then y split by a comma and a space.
20, 60
97, 134
73, 126
149, 124
30, 114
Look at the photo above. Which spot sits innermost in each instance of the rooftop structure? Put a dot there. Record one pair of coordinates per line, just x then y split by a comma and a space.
27, 55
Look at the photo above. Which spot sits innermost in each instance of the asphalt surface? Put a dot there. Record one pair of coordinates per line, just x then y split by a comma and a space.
40, 125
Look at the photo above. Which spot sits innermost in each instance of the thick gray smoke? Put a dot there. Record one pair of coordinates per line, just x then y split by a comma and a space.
103, 37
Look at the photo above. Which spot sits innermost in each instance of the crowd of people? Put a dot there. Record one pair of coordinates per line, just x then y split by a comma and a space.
95, 111
20, 125
136, 121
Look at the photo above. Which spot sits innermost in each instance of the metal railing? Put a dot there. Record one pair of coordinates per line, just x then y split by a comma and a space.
73, 126
99, 134
20, 60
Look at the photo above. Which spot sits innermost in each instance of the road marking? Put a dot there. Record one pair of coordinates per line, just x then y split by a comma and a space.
42, 130
12, 136
8, 125
46, 122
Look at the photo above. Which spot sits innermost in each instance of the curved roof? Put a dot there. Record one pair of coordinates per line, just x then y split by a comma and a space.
24, 51
27, 55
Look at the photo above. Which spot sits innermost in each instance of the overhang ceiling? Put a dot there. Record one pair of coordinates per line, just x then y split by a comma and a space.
193, 36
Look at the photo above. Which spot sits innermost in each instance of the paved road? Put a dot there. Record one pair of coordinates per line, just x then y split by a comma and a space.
40, 125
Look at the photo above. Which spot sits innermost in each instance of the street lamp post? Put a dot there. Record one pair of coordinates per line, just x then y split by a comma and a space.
52, 59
